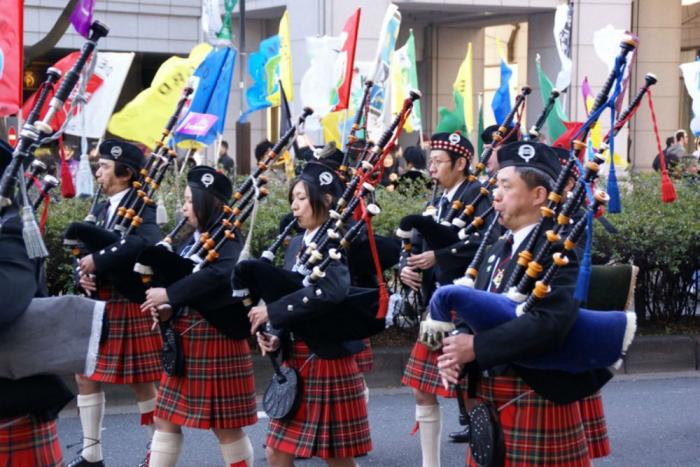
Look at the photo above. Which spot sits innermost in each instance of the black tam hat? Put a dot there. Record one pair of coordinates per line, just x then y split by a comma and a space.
207, 179
530, 154
124, 153
5, 155
454, 143
325, 178
508, 137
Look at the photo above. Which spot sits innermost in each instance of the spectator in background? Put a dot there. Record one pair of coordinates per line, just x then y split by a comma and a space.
671, 159
225, 162
415, 173
261, 149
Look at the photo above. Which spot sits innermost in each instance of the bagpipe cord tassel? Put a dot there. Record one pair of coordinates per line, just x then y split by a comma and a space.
383, 294
614, 205
584, 273
668, 191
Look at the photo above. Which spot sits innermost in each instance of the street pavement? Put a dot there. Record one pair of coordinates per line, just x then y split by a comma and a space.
653, 420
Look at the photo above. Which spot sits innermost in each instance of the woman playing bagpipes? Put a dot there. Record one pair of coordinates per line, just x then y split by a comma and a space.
331, 419
214, 387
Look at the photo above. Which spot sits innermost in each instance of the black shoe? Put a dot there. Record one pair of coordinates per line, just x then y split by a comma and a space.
460, 436
81, 462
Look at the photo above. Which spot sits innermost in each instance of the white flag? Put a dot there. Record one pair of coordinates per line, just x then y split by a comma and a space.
319, 81
562, 38
691, 76
211, 20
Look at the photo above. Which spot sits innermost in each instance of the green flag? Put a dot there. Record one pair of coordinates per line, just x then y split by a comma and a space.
480, 143
450, 121
556, 118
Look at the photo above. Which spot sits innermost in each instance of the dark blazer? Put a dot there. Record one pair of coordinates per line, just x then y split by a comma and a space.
289, 313
542, 329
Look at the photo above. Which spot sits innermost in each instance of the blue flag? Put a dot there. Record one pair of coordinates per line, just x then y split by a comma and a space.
213, 88
261, 65
501, 100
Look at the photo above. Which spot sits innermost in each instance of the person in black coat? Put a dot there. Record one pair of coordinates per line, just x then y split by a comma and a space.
215, 389
527, 173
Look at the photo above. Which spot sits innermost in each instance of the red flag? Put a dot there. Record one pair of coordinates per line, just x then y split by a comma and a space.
11, 52
347, 53
63, 65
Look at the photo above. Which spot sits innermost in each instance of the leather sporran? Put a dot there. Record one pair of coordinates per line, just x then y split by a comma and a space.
172, 357
486, 436
283, 395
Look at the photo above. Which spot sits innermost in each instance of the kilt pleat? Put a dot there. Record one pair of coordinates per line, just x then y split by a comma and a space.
594, 425
365, 358
421, 372
28, 441
332, 418
131, 352
536, 431
218, 387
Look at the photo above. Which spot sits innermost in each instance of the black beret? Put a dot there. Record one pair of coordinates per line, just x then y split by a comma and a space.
5, 155
124, 153
564, 155
416, 156
509, 136
452, 143
325, 178
208, 179
530, 154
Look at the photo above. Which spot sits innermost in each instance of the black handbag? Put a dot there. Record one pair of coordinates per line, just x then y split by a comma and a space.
283, 395
172, 357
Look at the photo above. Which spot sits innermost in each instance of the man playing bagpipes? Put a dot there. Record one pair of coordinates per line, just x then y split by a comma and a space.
130, 349
449, 161
538, 410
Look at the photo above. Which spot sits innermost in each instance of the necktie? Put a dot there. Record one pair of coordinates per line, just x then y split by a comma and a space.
186, 251
443, 207
499, 270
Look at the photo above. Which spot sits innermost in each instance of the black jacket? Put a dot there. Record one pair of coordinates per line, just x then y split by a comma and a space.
542, 329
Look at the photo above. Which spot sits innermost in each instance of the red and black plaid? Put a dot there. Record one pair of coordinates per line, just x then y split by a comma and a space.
218, 388
594, 425
421, 372
131, 352
536, 431
332, 417
365, 359
27, 441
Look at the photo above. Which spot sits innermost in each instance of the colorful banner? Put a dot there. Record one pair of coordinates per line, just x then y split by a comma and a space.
144, 118
563, 19
319, 80
404, 78
606, 43
691, 77
11, 53
345, 62
217, 31
501, 99
81, 18
556, 118
282, 70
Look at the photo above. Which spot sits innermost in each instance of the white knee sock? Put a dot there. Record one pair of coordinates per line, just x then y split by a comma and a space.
238, 454
165, 449
366, 391
430, 421
146, 409
91, 408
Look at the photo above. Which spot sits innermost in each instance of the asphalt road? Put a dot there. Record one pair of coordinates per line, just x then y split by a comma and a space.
653, 420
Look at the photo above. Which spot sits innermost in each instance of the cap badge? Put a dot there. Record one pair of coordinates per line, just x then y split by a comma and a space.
325, 178
207, 180
116, 151
526, 152
454, 138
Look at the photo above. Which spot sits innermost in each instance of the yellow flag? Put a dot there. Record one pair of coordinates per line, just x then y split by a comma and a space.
285, 64
597, 138
144, 118
331, 127
464, 86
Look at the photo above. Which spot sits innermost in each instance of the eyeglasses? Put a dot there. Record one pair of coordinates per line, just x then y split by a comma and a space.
435, 162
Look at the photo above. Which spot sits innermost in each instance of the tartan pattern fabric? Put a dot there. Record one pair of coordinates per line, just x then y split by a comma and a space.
594, 425
218, 388
332, 417
365, 359
421, 372
131, 351
28, 441
536, 431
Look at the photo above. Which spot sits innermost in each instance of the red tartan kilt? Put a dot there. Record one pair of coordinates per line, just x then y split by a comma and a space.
365, 359
27, 441
332, 418
594, 425
421, 372
218, 388
536, 431
131, 352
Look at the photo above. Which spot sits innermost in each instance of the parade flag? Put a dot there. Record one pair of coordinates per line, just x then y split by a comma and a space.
11, 53
606, 43
501, 99
319, 81
217, 32
212, 86
380, 73
461, 118
94, 84
596, 137
111, 68
691, 77
269, 66
288, 157
143, 118
345, 63
556, 118
81, 18
404, 78
563, 19
480, 130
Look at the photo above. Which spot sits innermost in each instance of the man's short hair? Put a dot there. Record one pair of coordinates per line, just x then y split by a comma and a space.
669, 141
680, 134
261, 149
224, 144
534, 177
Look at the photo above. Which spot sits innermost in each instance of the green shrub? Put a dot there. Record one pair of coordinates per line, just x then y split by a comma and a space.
662, 239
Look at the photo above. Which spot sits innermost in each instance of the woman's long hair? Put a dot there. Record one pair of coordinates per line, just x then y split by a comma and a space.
320, 202
206, 206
